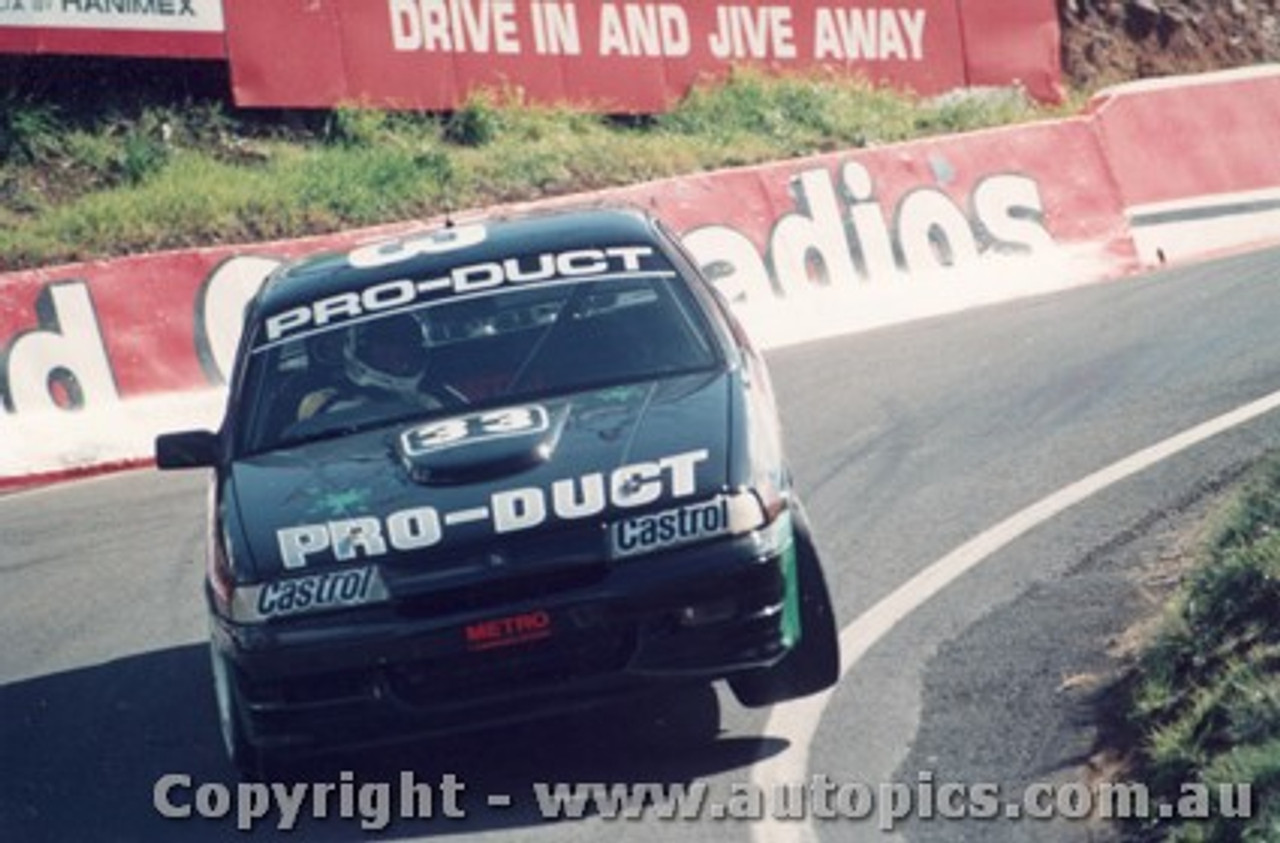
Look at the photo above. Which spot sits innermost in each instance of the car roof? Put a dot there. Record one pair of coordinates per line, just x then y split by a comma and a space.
330, 273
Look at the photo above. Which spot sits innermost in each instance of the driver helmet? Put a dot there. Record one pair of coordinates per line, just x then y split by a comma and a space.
387, 353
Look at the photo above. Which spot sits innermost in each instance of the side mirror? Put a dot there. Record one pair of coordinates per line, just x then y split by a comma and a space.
188, 449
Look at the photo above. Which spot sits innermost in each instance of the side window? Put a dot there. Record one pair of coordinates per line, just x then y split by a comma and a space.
707, 293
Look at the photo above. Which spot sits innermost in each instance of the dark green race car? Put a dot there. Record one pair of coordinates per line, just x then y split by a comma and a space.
494, 471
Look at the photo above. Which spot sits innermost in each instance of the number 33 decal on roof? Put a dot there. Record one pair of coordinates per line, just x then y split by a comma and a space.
477, 427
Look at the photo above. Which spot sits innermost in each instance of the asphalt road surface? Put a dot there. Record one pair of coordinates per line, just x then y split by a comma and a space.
907, 442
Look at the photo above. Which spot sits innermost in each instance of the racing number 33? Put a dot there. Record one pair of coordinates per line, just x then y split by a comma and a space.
477, 427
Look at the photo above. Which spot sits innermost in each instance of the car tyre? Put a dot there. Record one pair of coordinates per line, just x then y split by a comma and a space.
813, 665
678, 718
252, 762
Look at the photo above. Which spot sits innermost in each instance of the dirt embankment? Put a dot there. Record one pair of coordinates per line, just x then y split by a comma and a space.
1109, 41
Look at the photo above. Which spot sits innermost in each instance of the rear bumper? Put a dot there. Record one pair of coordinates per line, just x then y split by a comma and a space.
349, 678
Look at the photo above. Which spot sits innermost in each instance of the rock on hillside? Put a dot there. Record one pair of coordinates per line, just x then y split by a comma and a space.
1109, 41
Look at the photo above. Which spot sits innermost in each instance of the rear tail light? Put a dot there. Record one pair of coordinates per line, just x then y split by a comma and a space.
217, 565
218, 569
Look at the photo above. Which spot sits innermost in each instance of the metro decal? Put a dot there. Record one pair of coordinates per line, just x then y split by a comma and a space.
504, 632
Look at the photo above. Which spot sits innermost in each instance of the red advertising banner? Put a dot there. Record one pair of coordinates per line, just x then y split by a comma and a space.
191, 29
618, 56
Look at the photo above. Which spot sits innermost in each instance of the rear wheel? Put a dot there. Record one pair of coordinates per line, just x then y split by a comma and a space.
813, 664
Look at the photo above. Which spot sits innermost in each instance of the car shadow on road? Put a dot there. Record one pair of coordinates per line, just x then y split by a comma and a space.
83, 750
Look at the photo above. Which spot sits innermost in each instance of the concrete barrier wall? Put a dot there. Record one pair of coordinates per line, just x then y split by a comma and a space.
1194, 160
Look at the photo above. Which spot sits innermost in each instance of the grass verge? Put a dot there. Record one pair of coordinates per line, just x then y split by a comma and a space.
1207, 699
90, 177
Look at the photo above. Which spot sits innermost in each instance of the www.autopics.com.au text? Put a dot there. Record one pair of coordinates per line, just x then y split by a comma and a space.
375, 805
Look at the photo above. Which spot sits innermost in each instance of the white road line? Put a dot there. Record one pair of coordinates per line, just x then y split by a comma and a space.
797, 722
